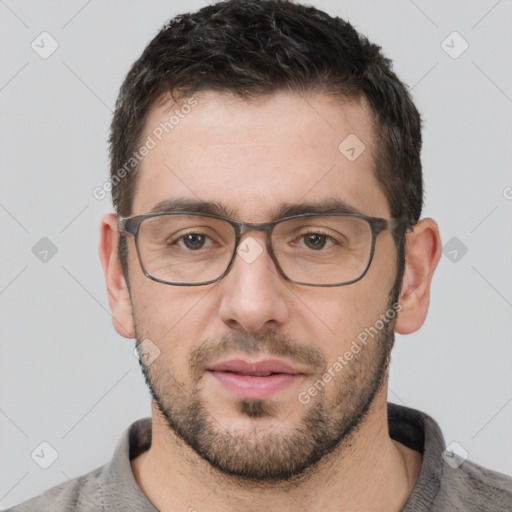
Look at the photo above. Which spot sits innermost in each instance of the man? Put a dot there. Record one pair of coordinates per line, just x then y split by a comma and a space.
267, 244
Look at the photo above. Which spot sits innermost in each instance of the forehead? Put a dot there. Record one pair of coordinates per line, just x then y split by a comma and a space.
251, 157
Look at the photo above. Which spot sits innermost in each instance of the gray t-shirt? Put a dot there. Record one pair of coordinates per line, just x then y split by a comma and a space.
444, 484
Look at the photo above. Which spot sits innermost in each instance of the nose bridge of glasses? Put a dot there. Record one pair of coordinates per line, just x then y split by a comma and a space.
255, 244
248, 227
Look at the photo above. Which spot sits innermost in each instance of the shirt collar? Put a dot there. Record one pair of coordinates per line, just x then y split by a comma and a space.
119, 488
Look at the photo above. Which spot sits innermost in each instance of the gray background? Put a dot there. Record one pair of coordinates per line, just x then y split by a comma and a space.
67, 378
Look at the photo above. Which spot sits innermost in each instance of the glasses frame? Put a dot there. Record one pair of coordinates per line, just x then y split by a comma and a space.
131, 226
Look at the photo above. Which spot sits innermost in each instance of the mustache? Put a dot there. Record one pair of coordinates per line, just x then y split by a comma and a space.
267, 342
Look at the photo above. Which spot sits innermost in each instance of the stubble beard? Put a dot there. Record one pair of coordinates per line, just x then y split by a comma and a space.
272, 455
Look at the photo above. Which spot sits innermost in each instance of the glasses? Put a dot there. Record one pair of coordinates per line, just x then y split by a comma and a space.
193, 249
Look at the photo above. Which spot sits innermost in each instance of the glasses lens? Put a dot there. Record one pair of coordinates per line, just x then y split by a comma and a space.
323, 250
185, 249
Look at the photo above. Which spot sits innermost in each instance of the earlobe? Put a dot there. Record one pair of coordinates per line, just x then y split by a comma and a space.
117, 288
423, 250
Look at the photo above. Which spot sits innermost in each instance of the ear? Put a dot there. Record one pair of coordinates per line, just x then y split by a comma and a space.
422, 253
118, 292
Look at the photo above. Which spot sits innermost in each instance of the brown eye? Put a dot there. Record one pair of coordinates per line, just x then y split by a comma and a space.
194, 241
315, 241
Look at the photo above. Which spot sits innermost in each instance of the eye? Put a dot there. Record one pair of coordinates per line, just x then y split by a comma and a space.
315, 240
193, 241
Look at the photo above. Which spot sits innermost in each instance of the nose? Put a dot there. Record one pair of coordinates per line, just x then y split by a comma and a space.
254, 292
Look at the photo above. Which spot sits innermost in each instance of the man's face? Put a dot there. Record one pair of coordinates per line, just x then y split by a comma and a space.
252, 159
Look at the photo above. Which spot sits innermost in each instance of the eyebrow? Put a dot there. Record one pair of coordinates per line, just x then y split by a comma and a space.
328, 205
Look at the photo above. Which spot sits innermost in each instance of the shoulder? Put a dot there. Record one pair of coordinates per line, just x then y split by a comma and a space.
446, 480
108, 487
78, 495
471, 487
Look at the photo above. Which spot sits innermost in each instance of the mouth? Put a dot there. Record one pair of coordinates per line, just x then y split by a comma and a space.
255, 380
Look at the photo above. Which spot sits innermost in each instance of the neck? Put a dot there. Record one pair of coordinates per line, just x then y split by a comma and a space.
368, 472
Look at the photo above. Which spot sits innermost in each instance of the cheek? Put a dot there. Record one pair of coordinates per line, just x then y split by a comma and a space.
157, 308
338, 315
172, 318
166, 311
346, 313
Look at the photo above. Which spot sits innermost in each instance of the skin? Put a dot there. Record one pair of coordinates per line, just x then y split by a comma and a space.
252, 157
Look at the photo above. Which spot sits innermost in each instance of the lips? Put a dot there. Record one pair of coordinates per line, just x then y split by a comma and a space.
259, 368
255, 380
